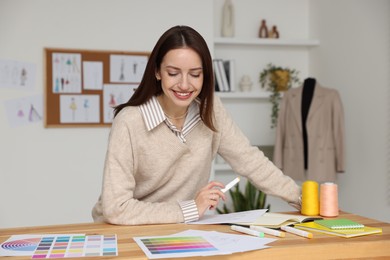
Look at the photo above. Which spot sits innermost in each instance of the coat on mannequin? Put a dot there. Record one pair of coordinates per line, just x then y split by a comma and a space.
310, 133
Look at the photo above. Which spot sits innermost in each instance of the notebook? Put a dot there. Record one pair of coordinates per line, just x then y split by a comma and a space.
347, 233
276, 220
341, 223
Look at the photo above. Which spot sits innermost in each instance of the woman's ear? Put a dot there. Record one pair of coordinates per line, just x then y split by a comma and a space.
158, 77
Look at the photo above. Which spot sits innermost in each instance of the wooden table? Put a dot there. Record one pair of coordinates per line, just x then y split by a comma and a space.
291, 247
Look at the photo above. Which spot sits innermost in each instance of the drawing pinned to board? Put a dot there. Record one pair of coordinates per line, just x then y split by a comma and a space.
93, 75
24, 111
79, 109
127, 68
66, 72
17, 74
113, 95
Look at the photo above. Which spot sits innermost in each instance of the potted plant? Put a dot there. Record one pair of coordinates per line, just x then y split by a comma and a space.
277, 79
250, 200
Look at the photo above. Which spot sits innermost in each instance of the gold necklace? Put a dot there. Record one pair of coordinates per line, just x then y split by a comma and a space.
175, 118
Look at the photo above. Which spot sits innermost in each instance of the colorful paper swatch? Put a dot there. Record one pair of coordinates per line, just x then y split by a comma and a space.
76, 246
60, 246
19, 246
176, 246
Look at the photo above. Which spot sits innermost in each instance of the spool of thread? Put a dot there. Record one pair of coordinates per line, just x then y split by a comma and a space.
329, 205
310, 201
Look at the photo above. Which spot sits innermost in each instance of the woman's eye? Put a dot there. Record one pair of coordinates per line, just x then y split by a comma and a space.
195, 75
172, 74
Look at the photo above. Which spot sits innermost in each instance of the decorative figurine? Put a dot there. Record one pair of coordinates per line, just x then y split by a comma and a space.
228, 19
274, 32
246, 83
263, 32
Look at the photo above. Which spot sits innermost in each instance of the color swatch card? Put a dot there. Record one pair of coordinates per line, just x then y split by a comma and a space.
176, 246
60, 246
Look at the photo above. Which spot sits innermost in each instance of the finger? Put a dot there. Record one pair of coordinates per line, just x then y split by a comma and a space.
213, 184
216, 194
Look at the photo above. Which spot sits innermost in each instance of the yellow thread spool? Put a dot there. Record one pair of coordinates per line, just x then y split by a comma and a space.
310, 200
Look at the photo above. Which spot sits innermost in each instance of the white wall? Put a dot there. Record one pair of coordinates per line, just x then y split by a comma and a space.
354, 58
53, 176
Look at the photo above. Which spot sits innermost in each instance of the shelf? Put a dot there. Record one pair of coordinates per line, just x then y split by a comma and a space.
266, 42
243, 95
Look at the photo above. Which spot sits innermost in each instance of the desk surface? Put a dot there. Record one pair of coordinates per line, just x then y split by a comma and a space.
291, 247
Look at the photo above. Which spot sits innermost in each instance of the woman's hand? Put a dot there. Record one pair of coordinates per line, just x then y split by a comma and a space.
208, 197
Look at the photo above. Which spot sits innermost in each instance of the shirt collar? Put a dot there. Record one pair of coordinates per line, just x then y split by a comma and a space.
153, 114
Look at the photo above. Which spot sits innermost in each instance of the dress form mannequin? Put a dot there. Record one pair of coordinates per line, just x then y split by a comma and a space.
307, 96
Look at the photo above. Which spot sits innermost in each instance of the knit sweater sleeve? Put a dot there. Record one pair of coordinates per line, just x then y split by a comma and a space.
117, 204
247, 160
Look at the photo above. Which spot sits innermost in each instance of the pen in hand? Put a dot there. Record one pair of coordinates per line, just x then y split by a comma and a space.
230, 184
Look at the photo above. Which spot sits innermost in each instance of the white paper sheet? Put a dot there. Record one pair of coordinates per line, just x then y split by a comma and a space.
236, 217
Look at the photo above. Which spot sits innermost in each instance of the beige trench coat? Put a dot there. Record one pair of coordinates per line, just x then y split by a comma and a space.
325, 135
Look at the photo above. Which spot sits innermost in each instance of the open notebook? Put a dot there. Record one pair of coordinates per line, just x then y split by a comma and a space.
276, 220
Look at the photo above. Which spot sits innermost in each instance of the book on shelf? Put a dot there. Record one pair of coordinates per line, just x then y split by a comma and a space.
339, 223
224, 75
347, 233
276, 220
229, 67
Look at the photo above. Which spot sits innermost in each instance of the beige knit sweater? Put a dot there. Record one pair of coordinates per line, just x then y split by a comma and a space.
147, 173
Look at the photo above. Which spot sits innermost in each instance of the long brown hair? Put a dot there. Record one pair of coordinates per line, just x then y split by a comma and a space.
175, 38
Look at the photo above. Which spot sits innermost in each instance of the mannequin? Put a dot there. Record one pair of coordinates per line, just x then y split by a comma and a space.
307, 96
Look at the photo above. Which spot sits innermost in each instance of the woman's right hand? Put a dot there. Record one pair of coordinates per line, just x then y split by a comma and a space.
208, 197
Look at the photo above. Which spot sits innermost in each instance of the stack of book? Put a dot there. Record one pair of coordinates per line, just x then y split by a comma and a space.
224, 75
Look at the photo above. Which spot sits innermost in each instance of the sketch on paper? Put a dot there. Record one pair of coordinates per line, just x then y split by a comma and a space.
113, 95
24, 111
79, 109
127, 68
66, 72
17, 74
93, 75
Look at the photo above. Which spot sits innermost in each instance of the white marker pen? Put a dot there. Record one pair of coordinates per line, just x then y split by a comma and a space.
297, 231
247, 231
230, 184
268, 231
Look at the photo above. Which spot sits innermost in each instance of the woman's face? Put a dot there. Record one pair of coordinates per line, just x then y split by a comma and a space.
181, 75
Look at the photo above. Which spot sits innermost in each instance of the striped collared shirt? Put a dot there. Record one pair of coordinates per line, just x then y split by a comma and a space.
153, 115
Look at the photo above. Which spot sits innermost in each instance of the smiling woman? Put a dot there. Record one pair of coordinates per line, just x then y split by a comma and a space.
164, 139
181, 77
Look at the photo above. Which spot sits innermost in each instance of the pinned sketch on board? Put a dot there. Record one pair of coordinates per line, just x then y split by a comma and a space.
17, 74
127, 68
113, 95
66, 73
24, 111
93, 75
79, 108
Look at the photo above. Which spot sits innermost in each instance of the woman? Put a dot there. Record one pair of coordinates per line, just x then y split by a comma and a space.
164, 139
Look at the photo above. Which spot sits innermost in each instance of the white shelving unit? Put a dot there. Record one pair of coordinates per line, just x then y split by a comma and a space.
266, 42
257, 96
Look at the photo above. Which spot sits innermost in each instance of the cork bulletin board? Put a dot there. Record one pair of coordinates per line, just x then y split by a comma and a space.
83, 86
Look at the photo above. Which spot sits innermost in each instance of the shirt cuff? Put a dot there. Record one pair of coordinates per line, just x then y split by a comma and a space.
190, 210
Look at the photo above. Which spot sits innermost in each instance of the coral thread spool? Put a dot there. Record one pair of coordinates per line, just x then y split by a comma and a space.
329, 205
310, 201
